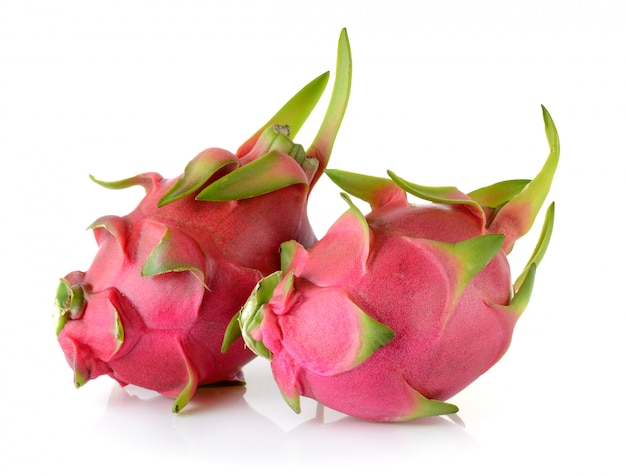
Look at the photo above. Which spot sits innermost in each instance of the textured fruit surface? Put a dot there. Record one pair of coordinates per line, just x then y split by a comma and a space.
153, 306
392, 313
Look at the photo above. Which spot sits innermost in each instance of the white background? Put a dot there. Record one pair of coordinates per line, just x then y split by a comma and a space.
444, 92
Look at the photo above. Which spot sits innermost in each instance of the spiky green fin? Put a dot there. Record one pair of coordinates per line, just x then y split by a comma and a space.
145, 180
469, 258
250, 316
517, 216
374, 190
374, 335
292, 398
278, 163
323, 143
522, 294
443, 195
231, 334
426, 407
69, 302
498, 194
79, 378
197, 172
523, 285
287, 382
273, 171
118, 332
285, 163
175, 252
192, 381
294, 113
541, 246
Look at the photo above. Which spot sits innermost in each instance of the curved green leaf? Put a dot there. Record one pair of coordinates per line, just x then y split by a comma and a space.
192, 381
197, 172
323, 143
471, 256
541, 247
146, 180
445, 195
376, 191
524, 288
496, 195
273, 171
374, 335
517, 217
427, 407
294, 113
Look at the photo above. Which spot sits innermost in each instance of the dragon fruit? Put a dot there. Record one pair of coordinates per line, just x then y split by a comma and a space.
153, 307
392, 313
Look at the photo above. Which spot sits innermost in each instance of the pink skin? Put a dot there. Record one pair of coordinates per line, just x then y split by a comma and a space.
404, 282
173, 323
390, 314
153, 307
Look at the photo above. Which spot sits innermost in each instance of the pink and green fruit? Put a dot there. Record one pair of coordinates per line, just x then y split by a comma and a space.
153, 306
392, 313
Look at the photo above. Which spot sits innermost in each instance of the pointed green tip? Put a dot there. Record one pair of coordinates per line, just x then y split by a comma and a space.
541, 246
433, 194
185, 395
294, 113
436, 408
376, 191
498, 194
374, 335
521, 298
79, 379
551, 132
445, 195
426, 407
118, 332
293, 401
323, 143
473, 255
517, 216
523, 285
145, 180
232, 333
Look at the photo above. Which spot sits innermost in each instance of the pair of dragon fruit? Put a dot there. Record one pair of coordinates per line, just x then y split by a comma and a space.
384, 318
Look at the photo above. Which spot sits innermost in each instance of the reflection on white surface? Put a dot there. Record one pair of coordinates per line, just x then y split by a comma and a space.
224, 424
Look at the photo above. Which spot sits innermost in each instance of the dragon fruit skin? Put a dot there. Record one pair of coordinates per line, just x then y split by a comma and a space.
153, 306
390, 314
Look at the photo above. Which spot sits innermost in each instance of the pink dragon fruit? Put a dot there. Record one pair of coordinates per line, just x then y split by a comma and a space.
390, 314
153, 307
